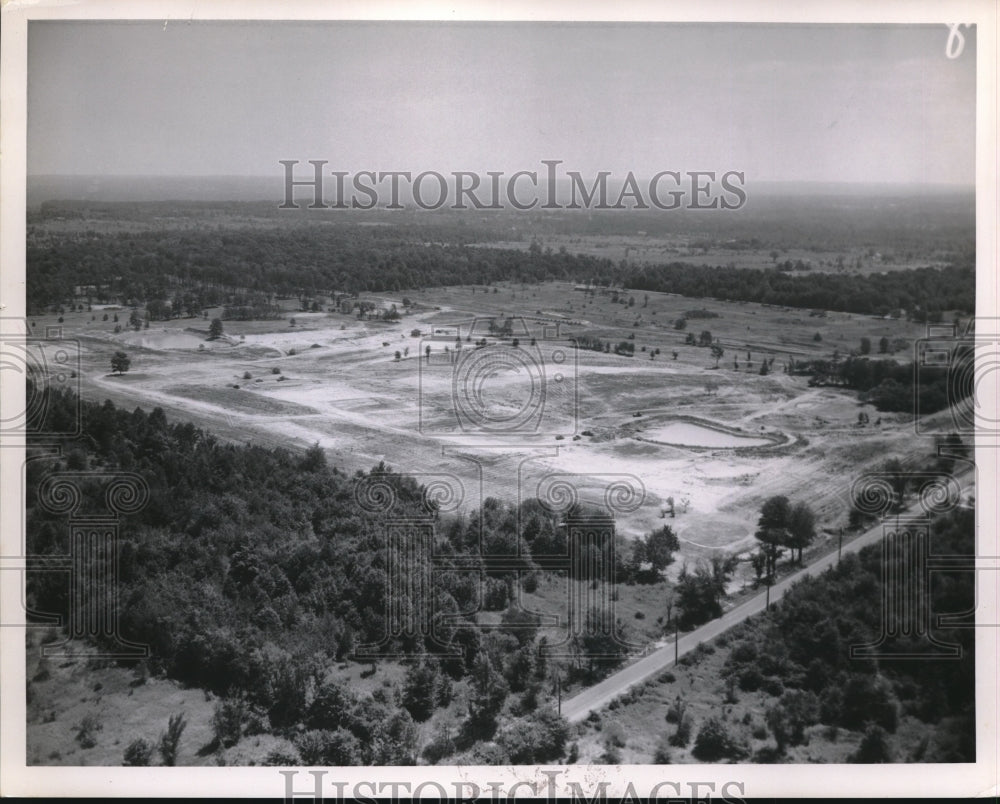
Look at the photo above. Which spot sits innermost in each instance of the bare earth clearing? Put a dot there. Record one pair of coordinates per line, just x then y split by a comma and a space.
673, 423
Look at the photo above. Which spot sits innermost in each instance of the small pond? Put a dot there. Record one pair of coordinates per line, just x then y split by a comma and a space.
689, 434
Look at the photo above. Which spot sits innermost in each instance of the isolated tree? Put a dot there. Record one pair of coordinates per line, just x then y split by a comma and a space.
135, 320
705, 339
717, 353
427, 351
399, 355
659, 547
215, 328
170, 739
866, 346
120, 362
883, 345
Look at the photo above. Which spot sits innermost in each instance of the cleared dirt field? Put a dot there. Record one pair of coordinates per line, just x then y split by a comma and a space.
594, 418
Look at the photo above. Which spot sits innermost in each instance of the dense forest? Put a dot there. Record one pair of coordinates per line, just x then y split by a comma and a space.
214, 264
800, 655
892, 386
251, 571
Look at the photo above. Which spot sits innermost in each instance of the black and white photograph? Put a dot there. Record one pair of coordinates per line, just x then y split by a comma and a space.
570, 402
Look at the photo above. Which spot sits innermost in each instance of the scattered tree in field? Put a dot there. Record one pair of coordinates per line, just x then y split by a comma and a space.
817, 337
120, 363
427, 352
705, 339
883, 345
717, 353
658, 547
680, 324
170, 739
866, 346
215, 328
398, 355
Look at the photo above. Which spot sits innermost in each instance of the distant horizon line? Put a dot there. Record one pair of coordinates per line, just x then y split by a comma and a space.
272, 177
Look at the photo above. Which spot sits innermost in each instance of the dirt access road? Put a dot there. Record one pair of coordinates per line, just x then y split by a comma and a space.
579, 706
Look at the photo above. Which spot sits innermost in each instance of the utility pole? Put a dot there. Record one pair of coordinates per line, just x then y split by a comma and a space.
767, 601
559, 690
677, 639
840, 544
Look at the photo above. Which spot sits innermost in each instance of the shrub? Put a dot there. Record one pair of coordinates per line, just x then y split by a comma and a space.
247, 375
714, 743
138, 754
442, 745
281, 757
874, 747
661, 756
322, 747
276, 370
87, 729
228, 720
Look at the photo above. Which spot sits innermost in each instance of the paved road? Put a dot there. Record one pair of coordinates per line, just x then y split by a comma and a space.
578, 707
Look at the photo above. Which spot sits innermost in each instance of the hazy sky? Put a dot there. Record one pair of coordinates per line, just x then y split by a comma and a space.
782, 103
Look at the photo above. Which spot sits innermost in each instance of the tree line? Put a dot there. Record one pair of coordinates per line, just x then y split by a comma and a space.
154, 266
